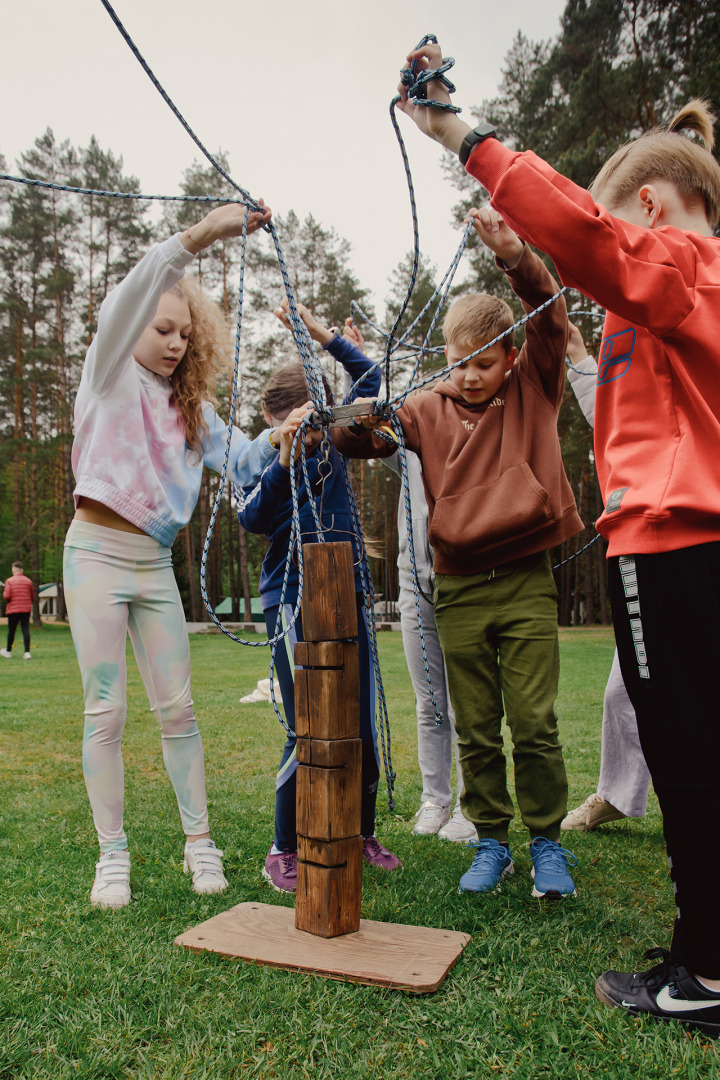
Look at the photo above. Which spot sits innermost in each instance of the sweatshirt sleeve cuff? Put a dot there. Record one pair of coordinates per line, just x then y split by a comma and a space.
177, 255
489, 161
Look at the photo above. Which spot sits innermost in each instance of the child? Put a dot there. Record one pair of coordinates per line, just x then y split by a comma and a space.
268, 509
641, 244
436, 743
498, 498
144, 429
624, 781
18, 594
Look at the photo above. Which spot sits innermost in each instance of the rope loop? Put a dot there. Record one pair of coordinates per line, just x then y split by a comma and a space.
417, 84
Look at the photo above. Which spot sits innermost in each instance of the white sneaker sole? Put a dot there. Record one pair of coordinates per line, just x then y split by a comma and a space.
268, 878
552, 894
109, 903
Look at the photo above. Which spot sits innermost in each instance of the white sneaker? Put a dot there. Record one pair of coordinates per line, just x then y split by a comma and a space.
111, 888
458, 829
26, 656
593, 812
5, 653
430, 819
204, 860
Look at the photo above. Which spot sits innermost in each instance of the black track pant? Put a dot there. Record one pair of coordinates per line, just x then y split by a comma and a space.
666, 610
23, 618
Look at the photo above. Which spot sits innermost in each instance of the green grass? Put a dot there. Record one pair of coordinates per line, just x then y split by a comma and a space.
85, 993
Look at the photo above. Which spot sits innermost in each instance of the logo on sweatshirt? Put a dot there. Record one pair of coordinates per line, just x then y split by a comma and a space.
615, 498
467, 425
615, 356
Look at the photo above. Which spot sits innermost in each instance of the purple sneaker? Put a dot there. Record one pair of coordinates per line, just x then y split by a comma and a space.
377, 855
281, 870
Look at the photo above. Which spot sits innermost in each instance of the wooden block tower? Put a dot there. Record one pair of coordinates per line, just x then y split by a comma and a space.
329, 752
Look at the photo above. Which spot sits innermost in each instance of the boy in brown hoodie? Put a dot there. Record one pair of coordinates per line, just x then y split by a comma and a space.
498, 498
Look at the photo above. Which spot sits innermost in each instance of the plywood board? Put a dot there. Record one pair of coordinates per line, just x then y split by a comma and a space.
413, 958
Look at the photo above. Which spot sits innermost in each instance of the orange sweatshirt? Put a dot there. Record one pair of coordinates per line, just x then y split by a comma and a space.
493, 473
657, 407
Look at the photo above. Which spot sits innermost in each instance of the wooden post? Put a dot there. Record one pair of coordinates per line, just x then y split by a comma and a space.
329, 752
327, 713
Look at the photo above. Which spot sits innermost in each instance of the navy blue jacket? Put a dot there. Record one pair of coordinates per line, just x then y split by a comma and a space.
267, 508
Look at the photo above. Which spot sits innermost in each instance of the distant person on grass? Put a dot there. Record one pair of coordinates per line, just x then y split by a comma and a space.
18, 595
498, 498
145, 426
641, 244
268, 508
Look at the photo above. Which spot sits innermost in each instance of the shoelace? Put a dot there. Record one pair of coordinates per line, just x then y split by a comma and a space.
288, 861
546, 855
662, 971
487, 852
374, 846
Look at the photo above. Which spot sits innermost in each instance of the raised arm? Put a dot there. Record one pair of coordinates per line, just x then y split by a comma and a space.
582, 375
628, 268
532, 283
127, 310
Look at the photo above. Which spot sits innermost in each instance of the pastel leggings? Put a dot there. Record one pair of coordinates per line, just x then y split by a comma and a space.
118, 583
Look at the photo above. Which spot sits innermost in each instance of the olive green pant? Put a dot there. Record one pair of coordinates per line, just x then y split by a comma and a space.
498, 632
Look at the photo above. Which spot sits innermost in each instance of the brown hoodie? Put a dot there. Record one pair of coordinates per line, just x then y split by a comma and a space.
493, 473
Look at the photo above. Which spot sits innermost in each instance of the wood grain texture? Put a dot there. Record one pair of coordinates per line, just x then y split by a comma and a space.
329, 887
327, 753
328, 800
327, 700
413, 958
321, 654
328, 606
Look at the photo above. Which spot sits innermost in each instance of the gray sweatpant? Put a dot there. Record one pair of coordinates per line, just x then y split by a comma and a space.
435, 743
624, 776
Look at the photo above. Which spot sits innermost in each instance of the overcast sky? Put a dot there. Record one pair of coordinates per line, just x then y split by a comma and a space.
295, 91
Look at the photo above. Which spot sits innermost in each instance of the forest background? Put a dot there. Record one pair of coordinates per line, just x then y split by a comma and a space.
616, 68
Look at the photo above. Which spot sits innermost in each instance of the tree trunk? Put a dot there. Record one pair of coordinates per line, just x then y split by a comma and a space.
192, 583
244, 572
602, 566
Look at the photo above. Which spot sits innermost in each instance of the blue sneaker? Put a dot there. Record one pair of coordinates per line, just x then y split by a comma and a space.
550, 869
491, 864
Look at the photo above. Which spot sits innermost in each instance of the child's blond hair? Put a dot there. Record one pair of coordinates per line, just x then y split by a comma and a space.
475, 319
208, 353
665, 154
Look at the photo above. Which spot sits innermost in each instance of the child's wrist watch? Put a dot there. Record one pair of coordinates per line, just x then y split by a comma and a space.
471, 140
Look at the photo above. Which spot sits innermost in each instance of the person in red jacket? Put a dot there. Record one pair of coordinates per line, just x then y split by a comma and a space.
18, 594
641, 244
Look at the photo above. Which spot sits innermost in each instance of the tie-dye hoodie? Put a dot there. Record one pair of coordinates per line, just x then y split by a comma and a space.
130, 451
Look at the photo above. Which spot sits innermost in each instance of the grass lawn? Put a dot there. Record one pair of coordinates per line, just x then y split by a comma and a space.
85, 993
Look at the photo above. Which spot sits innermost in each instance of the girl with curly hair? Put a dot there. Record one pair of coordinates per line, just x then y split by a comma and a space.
144, 427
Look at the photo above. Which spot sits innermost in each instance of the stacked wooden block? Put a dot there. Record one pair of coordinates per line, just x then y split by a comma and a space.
329, 752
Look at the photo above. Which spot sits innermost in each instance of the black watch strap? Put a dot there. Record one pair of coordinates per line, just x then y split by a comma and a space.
477, 135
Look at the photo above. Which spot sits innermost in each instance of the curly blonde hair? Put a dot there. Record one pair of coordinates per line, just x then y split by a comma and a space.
209, 352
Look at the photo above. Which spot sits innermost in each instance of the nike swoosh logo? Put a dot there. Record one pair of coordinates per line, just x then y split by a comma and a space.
678, 1005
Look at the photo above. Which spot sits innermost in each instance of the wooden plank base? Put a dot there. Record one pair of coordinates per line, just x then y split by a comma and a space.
413, 958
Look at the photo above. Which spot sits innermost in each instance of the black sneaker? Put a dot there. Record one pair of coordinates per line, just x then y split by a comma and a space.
667, 992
